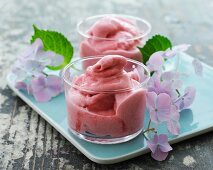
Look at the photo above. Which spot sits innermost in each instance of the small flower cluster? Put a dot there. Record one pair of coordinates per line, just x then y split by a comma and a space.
30, 76
166, 98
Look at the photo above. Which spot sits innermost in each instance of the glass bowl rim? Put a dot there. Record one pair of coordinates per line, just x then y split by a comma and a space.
114, 39
142, 84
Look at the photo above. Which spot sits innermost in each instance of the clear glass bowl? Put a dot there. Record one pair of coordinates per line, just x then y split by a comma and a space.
113, 37
120, 113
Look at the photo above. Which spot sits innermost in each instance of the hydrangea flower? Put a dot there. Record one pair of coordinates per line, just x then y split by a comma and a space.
155, 62
41, 87
26, 64
159, 106
156, 85
173, 77
29, 71
159, 147
165, 99
167, 82
33, 61
186, 99
44, 88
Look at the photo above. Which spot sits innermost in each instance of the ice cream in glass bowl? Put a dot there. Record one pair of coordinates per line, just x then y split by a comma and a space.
106, 101
112, 34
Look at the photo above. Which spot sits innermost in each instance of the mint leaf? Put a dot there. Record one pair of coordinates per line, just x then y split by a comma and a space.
154, 44
55, 42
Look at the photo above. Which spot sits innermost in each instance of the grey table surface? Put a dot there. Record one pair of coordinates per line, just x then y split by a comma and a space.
28, 142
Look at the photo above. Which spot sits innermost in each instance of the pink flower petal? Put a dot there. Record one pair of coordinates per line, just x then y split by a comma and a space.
159, 155
153, 116
54, 84
162, 138
151, 100
165, 147
190, 96
21, 85
155, 61
158, 84
42, 95
39, 90
163, 106
173, 127
38, 43
30, 51
198, 68
174, 113
44, 88
151, 105
170, 75
155, 84
172, 78
187, 99
159, 146
152, 145
38, 83
169, 53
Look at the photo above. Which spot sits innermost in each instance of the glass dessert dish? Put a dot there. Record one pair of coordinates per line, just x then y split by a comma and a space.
106, 101
112, 34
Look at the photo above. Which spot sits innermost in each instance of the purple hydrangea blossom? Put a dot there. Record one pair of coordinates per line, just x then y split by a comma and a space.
29, 71
173, 77
155, 61
44, 88
33, 61
186, 99
159, 147
165, 99
159, 106
167, 82
156, 85
26, 64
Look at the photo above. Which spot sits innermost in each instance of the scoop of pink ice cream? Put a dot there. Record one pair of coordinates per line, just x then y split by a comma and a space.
112, 36
97, 104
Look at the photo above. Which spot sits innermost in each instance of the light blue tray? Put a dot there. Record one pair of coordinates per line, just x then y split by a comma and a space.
193, 122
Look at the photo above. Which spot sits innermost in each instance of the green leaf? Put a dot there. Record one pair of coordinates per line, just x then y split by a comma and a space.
55, 42
156, 43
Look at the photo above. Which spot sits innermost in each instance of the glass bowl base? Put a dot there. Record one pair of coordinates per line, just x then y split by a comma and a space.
104, 140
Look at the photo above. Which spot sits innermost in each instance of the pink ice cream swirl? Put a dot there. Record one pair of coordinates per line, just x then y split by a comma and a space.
112, 36
96, 106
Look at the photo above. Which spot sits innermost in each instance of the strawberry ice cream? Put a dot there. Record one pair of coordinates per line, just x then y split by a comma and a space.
106, 101
112, 36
